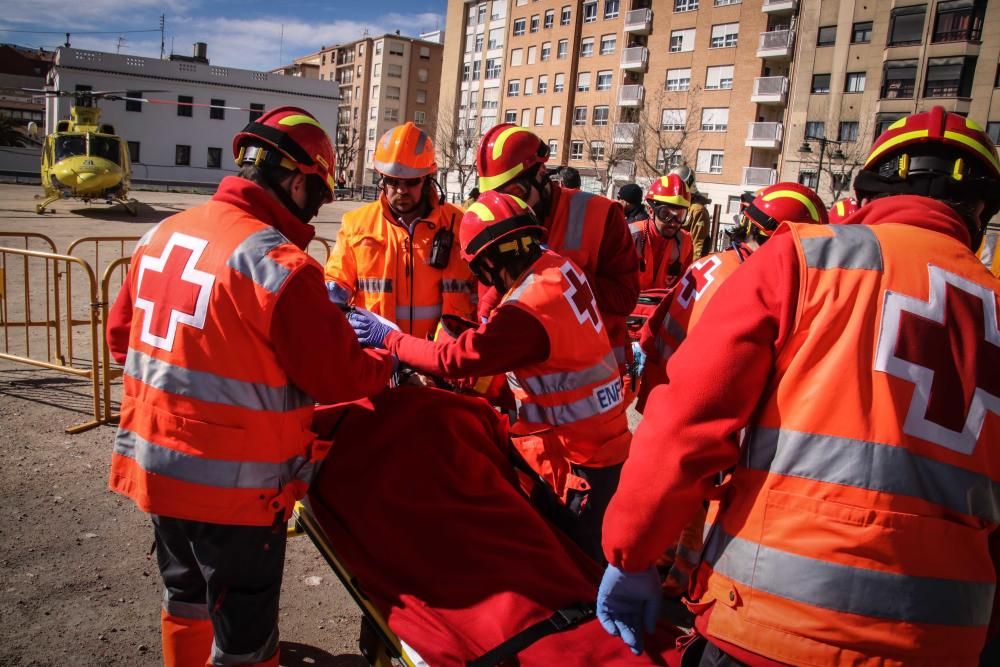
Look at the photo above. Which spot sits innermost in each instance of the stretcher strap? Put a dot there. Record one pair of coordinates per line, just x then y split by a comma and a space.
563, 619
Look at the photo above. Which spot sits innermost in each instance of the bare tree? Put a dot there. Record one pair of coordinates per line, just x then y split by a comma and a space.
841, 157
455, 147
346, 150
667, 125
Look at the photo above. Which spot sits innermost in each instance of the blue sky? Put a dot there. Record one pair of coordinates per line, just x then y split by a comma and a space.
239, 34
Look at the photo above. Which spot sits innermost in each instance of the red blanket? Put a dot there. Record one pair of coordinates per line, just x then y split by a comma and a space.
418, 498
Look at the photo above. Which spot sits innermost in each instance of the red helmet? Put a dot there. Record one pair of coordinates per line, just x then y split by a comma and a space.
841, 209
784, 202
493, 217
505, 152
300, 144
405, 151
669, 189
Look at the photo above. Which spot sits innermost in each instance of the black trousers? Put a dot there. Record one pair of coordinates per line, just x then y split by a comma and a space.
232, 574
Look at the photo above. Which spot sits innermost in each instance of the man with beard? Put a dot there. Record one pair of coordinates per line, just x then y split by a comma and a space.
664, 248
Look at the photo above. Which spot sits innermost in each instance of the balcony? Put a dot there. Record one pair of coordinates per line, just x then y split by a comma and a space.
759, 177
764, 135
631, 95
776, 44
639, 21
635, 58
779, 6
624, 170
625, 134
770, 90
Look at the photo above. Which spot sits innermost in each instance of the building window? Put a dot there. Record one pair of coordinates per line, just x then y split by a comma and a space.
576, 150
182, 155
722, 3
529, 86
491, 98
815, 129
604, 80
421, 97
884, 120
861, 33
583, 82
709, 162
589, 11
493, 68
601, 115
133, 151
685, 5
809, 179
673, 120
257, 110
959, 20
378, 48
714, 119
513, 88
559, 84
496, 39
516, 57
562, 49
854, 82
216, 111
553, 147
586, 47
543, 84
899, 78
949, 77
827, 35
580, 115
906, 25
992, 129
608, 44
596, 151
678, 79
719, 77
682, 40
390, 114
611, 9
564, 15
532, 54
510, 116
820, 83
425, 52
133, 104
419, 117
847, 130
214, 158
546, 52
550, 19
371, 134
539, 116
556, 116
724, 35
519, 26
396, 48
184, 105
534, 23
666, 161
392, 92
478, 48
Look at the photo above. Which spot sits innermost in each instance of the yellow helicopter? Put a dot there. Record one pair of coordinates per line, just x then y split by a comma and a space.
84, 158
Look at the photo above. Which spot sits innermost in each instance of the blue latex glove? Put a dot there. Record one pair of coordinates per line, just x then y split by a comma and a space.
629, 603
336, 293
368, 328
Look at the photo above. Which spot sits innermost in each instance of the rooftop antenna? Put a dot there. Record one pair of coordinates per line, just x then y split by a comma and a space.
163, 24
281, 47
67, 41
121, 40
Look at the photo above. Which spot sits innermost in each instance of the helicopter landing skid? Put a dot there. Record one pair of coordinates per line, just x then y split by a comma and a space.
131, 205
40, 208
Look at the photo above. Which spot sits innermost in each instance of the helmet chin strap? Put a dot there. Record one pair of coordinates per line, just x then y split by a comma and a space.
541, 209
304, 214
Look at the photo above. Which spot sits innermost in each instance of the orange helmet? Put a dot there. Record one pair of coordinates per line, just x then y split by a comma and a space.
783, 202
841, 209
492, 218
300, 144
669, 189
405, 151
505, 152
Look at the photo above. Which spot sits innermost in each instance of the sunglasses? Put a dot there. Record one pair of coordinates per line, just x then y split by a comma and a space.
402, 182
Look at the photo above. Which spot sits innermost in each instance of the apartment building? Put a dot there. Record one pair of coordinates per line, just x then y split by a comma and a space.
624, 90
860, 66
384, 81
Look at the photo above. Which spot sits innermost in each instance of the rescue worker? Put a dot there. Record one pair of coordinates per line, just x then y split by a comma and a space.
861, 358
570, 178
228, 338
548, 336
396, 256
842, 208
631, 197
664, 249
697, 222
587, 228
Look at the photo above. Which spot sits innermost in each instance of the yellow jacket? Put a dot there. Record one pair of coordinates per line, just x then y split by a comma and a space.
379, 265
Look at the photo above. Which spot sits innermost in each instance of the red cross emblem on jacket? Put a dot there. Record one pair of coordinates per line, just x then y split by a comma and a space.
580, 297
697, 279
171, 291
949, 348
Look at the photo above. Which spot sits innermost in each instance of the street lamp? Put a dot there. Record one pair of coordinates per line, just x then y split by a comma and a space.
806, 149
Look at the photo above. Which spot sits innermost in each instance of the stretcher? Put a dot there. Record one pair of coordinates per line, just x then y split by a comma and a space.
419, 510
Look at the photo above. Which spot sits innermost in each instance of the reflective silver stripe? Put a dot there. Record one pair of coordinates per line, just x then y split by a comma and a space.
635, 228
850, 247
220, 657
673, 328
519, 290
876, 467
220, 473
397, 170
419, 312
375, 285
851, 590
251, 259
575, 220
551, 383
619, 353
568, 413
213, 388
192, 610
454, 285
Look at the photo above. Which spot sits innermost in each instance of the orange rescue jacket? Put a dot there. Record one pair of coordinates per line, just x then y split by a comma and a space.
656, 271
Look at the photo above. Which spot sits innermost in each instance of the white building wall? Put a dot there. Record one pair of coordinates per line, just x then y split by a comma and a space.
159, 129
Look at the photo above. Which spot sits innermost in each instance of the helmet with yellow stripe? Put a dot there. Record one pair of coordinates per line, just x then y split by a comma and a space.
939, 155
508, 152
497, 229
290, 138
782, 202
405, 151
669, 189
842, 209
